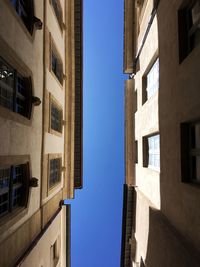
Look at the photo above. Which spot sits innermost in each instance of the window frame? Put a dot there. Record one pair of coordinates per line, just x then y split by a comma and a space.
60, 22
187, 30
151, 66
29, 12
54, 102
15, 91
188, 152
59, 182
53, 50
146, 154
24, 185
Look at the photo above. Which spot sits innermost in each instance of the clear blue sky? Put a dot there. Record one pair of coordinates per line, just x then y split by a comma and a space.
97, 208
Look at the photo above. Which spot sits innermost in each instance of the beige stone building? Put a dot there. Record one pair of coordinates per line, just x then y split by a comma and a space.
40, 129
161, 216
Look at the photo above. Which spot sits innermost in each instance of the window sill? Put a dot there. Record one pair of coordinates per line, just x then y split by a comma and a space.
59, 83
152, 168
10, 115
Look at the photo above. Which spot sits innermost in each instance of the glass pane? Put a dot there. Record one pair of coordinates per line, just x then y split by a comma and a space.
6, 85
57, 10
195, 13
17, 174
4, 178
55, 172
23, 10
198, 168
56, 66
153, 79
154, 151
16, 196
20, 96
197, 135
56, 118
14, 2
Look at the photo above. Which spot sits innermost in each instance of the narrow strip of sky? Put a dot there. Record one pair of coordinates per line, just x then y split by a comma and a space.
97, 208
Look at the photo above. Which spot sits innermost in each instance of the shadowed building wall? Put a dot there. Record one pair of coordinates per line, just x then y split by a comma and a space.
161, 51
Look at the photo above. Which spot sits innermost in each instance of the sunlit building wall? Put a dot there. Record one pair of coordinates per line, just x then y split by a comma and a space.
160, 213
41, 129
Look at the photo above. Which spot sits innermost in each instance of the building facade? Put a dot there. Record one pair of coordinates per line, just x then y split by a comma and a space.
161, 51
41, 129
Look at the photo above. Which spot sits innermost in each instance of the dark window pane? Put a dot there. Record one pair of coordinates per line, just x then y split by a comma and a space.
20, 106
17, 175
55, 172
56, 66
24, 9
56, 118
17, 196
57, 10
6, 85
15, 91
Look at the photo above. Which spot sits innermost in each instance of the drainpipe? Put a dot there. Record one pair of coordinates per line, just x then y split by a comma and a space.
153, 13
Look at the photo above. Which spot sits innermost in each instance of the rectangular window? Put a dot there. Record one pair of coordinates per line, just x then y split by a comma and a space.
135, 101
13, 182
15, 90
55, 251
58, 11
56, 63
25, 10
153, 79
151, 152
55, 171
190, 152
136, 151
150, 81
56, 117
189, 28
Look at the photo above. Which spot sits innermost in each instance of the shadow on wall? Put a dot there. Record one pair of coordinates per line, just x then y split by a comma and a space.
166, 247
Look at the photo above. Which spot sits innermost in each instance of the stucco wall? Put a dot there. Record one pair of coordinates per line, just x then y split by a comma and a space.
179, 101
25, 53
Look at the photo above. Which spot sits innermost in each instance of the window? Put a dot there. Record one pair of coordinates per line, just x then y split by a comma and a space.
135, 101
56, 65
56, 117
13, 187
58, 11
55, 248
15, 90
24, 9
189, 28
54, 171
190, 152
136, 151
151, 153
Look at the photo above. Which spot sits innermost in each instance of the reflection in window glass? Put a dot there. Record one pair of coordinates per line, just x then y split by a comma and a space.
153, 79
55, 172
154, 151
